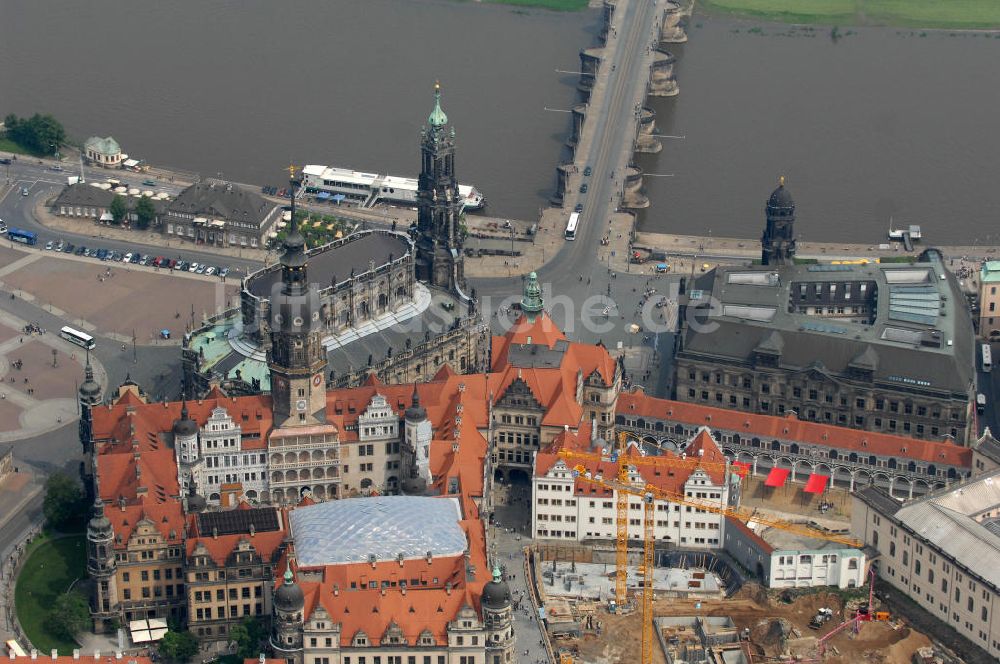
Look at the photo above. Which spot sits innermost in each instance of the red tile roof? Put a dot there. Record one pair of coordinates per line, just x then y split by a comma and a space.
638, 404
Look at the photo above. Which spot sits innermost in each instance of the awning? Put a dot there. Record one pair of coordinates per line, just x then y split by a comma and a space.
323, 195
816, 483
777, 477
339, 197
742, 468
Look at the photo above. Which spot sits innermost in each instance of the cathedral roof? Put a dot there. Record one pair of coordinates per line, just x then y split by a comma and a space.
780, 197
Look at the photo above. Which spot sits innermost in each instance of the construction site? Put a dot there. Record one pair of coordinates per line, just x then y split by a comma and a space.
646, 602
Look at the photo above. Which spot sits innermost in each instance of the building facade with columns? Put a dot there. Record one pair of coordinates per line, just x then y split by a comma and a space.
851, 458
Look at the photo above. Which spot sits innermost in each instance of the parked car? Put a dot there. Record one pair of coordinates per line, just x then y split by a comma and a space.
158, 261
583, 188
144, 260
149, 182
182, 265
193, 268
57, 167
48, 245
136, 257
80, 251
24, 191
223, 272
209, 271
587, 171
128, 257
3, 226
578, 208
172, 263
201, 269
69, 248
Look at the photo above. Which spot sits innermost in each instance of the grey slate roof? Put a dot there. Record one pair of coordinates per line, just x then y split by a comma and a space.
948, 519
338, 261
221, 201
906, 293
84, 195
879, 499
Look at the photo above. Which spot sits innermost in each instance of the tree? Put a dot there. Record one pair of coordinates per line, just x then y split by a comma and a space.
118, 208
69, 615
178, 646
41, 134
64, 503
247, 637
144, 212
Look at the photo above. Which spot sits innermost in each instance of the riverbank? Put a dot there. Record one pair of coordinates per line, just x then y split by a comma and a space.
554, 5
931, 14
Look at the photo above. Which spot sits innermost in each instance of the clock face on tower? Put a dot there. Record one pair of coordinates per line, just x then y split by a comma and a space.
300, 404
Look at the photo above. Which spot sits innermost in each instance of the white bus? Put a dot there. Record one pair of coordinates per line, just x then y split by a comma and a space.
77, 337
987, 358
574, 221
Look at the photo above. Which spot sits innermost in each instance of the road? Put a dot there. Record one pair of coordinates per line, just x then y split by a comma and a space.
576, 272
43, 183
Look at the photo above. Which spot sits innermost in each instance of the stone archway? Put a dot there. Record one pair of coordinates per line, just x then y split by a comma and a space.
517, 476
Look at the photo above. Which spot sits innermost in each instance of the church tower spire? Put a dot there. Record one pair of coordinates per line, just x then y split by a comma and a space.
531, 299
778, 241
297, 358
89, 395
439, 236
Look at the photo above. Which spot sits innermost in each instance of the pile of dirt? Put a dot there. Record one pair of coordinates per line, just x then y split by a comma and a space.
770, 634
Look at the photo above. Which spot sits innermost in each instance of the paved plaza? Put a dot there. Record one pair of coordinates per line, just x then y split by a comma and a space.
80, 291
37, 388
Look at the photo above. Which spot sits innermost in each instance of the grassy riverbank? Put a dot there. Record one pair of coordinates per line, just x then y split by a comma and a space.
555, 5
954, 14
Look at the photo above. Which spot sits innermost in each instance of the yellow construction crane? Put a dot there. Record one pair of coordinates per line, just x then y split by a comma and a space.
649, 494
623, 461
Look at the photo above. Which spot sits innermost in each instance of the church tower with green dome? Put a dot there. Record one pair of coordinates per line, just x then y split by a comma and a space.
438, 232
531, 299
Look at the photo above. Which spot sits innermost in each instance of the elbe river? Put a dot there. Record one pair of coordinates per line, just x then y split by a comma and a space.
880, 123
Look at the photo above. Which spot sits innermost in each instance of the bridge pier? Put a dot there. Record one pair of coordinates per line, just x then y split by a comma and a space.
662, 82
563, 172
590, 63
672, 28
633, 197
579, 116
608, 12
645, 141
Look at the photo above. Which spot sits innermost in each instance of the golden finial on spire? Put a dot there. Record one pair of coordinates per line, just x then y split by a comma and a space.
781, 181
437, 86
291, 171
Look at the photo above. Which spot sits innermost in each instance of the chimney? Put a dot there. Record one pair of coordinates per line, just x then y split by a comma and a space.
118, 654
372, 559
399, 558
262, 658
76, 653
383, 591
55, 654
429, 556
253, 531
34, 654
447, 588
336, 593
215, 532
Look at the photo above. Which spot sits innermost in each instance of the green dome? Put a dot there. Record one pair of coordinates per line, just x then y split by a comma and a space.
437, 117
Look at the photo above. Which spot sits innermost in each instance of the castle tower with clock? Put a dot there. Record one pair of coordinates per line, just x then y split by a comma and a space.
297, 363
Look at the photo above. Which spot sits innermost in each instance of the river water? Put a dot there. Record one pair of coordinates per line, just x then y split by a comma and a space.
243, 87
880, 124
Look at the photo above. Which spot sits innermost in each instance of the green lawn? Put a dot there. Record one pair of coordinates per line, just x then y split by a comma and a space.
7, 145
557, 5
51, 567
959, 14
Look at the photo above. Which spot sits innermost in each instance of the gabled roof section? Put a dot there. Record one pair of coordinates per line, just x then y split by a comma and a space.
867, 360
772, 344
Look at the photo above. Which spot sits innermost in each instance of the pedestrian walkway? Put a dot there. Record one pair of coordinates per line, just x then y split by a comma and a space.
23, 412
